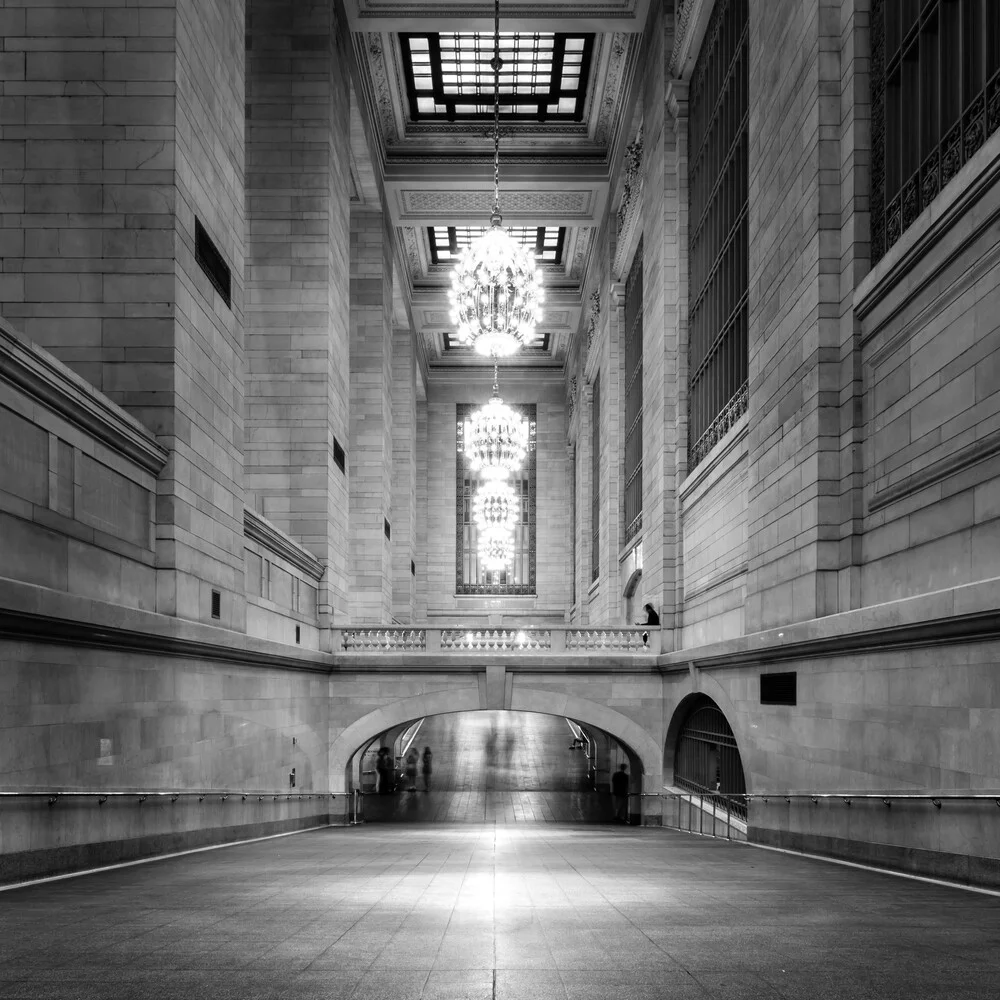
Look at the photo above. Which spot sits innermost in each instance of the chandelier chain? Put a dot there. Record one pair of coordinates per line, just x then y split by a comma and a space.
496, 63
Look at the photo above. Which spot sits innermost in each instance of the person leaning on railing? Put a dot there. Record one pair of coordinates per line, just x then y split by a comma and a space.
652, 618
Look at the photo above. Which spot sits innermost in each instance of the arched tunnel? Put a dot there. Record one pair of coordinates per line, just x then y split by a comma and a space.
492, 766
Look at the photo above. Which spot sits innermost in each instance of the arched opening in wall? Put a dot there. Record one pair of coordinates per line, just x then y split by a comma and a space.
493, 766
633, 609
706, 757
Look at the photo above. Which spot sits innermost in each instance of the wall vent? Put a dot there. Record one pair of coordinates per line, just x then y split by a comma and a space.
216, 604
206, 253
298, 638
778, 689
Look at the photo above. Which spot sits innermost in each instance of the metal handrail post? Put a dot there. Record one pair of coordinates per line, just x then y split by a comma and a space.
729, 823
701, 812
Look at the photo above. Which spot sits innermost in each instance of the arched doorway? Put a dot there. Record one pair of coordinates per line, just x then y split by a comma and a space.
706, 754
495, 766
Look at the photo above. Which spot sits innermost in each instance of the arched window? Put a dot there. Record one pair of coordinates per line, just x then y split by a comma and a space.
708, 759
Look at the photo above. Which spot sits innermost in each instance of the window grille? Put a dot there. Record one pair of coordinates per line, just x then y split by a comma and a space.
708, 758
935, 99
449, 78
470, 577
717, 283
595, 482
633, 399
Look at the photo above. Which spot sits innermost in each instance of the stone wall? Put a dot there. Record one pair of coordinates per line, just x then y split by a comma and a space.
110, 720
298, 196
930, 336
77, 483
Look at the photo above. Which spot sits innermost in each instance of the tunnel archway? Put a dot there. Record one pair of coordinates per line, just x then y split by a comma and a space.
494, 765
701, 753
646, 750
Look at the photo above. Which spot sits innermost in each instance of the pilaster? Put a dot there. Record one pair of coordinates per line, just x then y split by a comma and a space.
404, 475
298, 195
371, 417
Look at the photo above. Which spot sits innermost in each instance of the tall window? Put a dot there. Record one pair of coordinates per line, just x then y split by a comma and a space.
633, 399
717, 290
935, 99
470, 577
595, 482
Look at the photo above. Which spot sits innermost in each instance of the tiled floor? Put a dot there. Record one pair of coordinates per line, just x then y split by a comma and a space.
496, 767
511, 912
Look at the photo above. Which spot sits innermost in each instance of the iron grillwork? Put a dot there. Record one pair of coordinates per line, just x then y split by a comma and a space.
595, 482
632, 498
708, 758
935, 99
717, 284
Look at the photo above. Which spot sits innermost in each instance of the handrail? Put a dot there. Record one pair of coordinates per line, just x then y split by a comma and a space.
886, 797
104, 794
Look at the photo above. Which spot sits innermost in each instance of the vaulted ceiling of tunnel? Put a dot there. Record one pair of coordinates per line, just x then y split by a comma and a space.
422, 143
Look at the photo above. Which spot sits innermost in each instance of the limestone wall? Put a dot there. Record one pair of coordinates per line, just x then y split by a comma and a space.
918, 720
930, 322
77, 483
104, 719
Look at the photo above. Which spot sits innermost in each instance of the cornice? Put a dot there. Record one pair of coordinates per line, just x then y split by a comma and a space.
23, 626
690, 19
257, 527
39, 375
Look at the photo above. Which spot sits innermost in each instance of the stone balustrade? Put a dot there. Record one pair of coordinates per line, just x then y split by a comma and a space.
513, 640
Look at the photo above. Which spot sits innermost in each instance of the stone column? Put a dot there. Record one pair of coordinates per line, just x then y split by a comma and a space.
371, 417
122, 126
612, 458
404, 474
585, 487
298, 193
797, 337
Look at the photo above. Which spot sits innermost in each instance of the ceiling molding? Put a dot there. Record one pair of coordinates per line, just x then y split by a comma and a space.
691, 19
463, 15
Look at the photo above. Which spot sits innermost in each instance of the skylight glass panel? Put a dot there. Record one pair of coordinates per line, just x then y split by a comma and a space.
448, 242
449, 77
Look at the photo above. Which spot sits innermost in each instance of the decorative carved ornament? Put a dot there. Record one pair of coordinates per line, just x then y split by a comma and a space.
629, 208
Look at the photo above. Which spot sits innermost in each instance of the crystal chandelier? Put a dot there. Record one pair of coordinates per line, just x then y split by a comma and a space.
498, 437
495, 551
495, 508
496, 291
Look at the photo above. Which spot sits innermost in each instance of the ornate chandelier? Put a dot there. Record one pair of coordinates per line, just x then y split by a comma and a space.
495, 551
498, 437
495, 508
496, 291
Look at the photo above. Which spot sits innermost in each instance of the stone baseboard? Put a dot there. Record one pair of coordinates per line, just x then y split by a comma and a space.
21, 866
962, 868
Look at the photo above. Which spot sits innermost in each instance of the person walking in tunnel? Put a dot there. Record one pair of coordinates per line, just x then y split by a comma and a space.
384, 767
411, 769
426, 767
619, 793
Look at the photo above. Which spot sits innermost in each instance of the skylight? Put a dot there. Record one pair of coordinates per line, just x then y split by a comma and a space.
544, 75
448, 242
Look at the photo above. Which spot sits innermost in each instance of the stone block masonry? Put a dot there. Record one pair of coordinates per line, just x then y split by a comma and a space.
297, 340
371, 417
122, 125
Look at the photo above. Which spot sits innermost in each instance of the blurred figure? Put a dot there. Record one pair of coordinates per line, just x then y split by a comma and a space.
426, 762
619, 793
384, 770
652, 618
411, 769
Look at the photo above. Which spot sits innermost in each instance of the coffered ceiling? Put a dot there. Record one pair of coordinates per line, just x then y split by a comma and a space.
422, 132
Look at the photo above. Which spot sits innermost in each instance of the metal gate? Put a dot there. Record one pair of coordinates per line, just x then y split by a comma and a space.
708, 759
